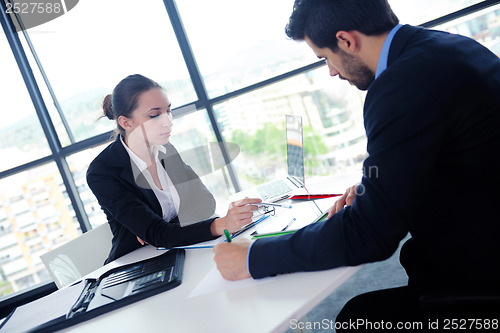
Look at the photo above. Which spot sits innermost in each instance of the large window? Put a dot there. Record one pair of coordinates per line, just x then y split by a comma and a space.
35, 216
245, 77
334, 138
23, 139
418, 12
193, 136
99, 43
238, 43
78, 164
483, 26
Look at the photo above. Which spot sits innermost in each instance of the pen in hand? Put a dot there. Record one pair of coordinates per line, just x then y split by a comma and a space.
228, 236
274, 205
289, 224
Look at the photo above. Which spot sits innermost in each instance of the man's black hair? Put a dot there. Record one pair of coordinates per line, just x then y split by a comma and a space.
320, 20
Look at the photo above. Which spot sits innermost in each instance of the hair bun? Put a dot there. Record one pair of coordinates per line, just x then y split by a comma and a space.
106, 107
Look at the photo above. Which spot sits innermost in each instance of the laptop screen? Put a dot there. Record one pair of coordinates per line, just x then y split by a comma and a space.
295, 148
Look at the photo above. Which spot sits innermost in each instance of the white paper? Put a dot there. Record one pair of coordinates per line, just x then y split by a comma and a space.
214, 283
43, 310
303, 213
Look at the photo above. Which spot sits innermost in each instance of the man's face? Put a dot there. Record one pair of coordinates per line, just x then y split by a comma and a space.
346, 66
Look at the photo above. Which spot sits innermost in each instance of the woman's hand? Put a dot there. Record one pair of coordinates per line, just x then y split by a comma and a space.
345, 200
239, 214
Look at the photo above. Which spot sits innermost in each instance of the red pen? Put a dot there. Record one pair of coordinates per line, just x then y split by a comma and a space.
313, 196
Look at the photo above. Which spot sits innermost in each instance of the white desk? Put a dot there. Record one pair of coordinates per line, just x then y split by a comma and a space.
266, 307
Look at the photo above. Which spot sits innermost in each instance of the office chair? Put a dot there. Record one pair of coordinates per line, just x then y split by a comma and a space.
78, 257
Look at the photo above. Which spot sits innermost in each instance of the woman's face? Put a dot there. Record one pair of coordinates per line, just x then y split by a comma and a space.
151, 121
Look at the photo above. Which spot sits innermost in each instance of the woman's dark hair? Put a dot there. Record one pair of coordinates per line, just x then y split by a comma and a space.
320, 20
124, 98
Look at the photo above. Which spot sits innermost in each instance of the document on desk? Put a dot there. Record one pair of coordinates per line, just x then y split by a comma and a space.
214, 283
43, 310
302, 214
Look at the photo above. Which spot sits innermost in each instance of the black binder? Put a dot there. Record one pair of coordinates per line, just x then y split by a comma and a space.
116, 288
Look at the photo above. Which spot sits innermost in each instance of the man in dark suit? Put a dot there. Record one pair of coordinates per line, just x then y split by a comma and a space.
431, 115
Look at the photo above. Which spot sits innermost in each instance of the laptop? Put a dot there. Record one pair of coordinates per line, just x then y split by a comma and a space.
283, 188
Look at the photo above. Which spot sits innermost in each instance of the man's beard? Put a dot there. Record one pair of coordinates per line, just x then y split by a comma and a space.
357, 72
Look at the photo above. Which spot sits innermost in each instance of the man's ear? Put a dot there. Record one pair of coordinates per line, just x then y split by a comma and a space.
125, 123
347, 41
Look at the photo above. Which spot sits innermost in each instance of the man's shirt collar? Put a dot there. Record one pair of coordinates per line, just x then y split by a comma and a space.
384, 54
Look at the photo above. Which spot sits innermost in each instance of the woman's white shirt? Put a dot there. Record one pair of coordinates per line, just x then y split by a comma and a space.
167, 196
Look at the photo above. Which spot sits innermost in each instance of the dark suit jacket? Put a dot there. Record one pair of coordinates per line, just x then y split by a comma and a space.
132, 208
432, 120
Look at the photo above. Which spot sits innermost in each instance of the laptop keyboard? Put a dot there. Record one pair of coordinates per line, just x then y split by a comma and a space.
273, 189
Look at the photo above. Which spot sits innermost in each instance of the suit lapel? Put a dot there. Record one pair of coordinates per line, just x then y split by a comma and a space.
129, 173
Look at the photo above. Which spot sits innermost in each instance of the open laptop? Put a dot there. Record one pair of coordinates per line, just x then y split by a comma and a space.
282, 188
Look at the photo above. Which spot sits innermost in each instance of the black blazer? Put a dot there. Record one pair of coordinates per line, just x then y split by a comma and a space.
132, 208
432, 120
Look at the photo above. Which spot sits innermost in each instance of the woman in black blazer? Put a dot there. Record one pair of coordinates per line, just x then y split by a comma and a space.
149, 195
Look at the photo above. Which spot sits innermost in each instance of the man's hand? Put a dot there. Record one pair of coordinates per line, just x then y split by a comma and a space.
231, 260
345, 200
141, 241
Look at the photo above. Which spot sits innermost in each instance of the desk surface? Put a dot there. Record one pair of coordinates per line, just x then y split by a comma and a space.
264, 307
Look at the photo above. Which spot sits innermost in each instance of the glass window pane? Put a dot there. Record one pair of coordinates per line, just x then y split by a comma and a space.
78, 165
22, 135
483, 26
87, 51
237, 43
421, 11
36, 216
193, 132
334, 137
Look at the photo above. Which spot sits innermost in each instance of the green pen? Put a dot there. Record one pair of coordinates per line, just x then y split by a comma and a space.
273, 234
228, 236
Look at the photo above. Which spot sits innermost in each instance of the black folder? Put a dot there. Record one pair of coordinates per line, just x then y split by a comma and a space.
117, 287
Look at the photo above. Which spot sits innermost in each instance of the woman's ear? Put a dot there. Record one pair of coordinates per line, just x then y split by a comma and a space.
125, 123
